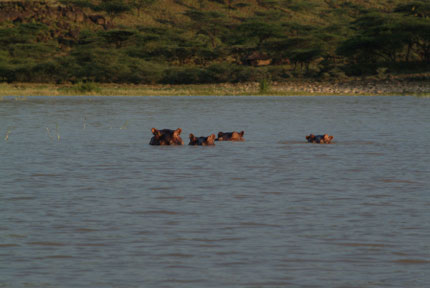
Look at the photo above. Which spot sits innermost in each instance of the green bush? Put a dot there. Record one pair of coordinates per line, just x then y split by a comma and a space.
144, 72
190, 75
265, 85
46, 72
359, 69
278, 73
246, 74
7, 73
220, 73
86, 87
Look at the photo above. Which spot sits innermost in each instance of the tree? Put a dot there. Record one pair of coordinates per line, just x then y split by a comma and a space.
231, 5
141, 4
79, 3
416, 26
117, 36
378, 37
114, 8
259, 31
419, 9
211, 24
302, 50
100, 65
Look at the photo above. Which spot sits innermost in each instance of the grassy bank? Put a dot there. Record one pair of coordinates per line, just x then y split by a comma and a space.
381, 87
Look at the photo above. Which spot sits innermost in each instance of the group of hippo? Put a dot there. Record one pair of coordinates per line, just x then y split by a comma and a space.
320, 139
172, 137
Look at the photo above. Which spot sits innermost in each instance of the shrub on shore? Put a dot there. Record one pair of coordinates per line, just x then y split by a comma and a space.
265, 85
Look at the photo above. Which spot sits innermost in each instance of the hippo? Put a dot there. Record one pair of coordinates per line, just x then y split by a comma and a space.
321, 139
230, 136
202, 141
166, 137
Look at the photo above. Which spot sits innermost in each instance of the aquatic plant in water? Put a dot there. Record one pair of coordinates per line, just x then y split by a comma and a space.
6, 138
56, 130
124, 126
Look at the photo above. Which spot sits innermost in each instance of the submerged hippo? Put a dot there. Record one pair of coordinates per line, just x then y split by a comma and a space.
321, 139
166, 137
202, 141
231, 136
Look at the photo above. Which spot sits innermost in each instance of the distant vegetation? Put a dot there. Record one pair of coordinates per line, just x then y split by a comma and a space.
211, 41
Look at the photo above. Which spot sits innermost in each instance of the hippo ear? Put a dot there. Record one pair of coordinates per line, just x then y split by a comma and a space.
308, 137
327, 137
191, 136
177, 131
242, 133
155, 131
212, 136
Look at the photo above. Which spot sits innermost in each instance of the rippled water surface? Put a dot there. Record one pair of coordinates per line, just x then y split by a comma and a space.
86, 202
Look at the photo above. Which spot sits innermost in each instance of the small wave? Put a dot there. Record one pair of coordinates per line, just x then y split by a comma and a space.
20, 198
292, 142
85, 230
241, 196
8, 245
177, 255
227, 253
228, 264
208, 246
43, 243
57, 257
44, 175
272, 193
179, 267
160, 188
269, 283
170, 198
218, 240
372, 153
165, 212
378, 196
384, 180
411, 261
91, 244
184, 281
255, 224
354, 244
359, 143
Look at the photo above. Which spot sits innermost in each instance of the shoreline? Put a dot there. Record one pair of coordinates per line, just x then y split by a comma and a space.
292, 88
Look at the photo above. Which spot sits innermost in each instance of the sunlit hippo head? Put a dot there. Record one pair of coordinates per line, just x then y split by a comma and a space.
166, 137
202, 141
320, 139
231, 136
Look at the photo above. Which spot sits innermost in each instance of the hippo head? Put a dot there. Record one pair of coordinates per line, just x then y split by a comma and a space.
231, 136
203, 141
166, 137
321, 139
327, 139
310, 138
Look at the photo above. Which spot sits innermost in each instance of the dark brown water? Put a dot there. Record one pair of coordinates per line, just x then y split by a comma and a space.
86, 202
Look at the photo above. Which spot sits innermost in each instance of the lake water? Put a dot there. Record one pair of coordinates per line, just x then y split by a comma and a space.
86, 202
